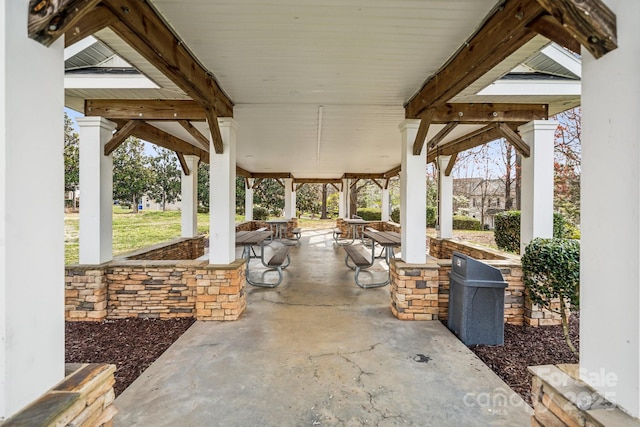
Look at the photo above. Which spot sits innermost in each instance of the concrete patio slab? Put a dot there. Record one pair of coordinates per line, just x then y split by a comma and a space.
318, 350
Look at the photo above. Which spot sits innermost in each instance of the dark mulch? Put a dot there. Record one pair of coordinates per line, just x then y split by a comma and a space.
526, 346
131, 344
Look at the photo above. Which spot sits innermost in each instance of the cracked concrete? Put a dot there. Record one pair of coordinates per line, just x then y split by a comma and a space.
318, 351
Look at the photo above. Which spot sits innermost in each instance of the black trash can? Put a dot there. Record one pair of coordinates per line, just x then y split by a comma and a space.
476, 301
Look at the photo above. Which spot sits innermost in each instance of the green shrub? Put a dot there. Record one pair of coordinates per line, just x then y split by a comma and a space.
369, 214
507, 231
395, 215
431, 216
551, 270
465, 223
559, 226
260, 213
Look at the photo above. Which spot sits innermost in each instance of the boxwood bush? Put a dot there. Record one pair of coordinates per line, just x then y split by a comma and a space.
507, 230
461, 222
260, 213
431, 216
369, 214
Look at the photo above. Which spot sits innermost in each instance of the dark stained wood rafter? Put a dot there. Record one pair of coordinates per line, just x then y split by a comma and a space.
481, 136
451, 164
385, 186
478, 113
183, 163
423, 129
299, 186
95, 20
216, 137
336, 187
243, 172
317, 180
140, 26
515, 140
196, 134
256, 183
48, 20
146, 109
441, 135
354, 183
363, 176
591, 22
375, 181
163, 139
393, 172
504, 32
120, 135
272, 175
548, 26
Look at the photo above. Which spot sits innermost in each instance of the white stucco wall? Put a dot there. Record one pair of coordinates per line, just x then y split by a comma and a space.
610, 216
31, 212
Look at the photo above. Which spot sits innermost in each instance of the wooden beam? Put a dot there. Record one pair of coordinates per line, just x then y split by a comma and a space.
375, 181
440, 135
452, 162
243, 172
423, 129
386, 184
515, 140
279, 181
393, 172
142, 28
194, 132
161, 138
489, 112
48, 20
317, 181
363, 176
216, 137
355, 181
548, 26
121, 134
256, 183
146, 109
299, 186
95, 20
503, 32
473, 139
183, 163
272, 175
335, 186
591, 22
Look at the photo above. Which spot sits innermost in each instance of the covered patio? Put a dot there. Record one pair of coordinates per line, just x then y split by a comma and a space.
311, 92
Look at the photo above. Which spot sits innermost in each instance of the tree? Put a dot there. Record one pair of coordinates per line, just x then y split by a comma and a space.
323, 209
269, 194
308, 198
131, 174
71, 158
568, 156
203, 185
165, 184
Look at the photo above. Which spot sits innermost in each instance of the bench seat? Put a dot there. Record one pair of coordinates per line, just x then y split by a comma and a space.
278, 261
360, 261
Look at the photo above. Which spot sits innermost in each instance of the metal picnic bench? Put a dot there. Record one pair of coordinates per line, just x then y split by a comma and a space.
360, 261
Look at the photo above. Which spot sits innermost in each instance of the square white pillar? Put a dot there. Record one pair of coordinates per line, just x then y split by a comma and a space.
96, 191
189, 201
248, 200
610, 216
413, 196
31, 212
222, 191
343, 204
385, 205
536, 205
445, 200
289, 199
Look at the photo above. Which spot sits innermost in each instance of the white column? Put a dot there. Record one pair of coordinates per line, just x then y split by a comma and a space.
248, 200
413, 196
289, 199
222, 190
96, 191
445, 200
610, 212
31, 212
189, 202
385, 205
536, 217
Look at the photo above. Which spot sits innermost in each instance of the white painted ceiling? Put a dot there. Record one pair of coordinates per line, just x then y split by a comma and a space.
318, 86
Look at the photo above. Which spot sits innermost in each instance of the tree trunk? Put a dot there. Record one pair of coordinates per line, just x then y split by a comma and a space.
323, 213
507, 181
135, 204
518, 180
565, 326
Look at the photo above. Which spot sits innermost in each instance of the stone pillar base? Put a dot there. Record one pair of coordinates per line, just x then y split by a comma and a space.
84, 398
414, 290
220, 291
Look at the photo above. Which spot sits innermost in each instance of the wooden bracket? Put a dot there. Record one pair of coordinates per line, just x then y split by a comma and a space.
119, 137
183, 163
425, 121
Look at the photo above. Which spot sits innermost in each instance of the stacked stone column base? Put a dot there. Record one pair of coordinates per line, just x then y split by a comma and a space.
414, 290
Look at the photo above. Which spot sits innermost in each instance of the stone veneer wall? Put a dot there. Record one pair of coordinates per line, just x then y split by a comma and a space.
560, 398
256, 224
378, 225
444, 248
415, 290
83, 398
155, 289
180, 248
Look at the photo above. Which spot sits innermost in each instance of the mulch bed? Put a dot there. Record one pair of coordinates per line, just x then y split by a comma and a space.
526, 346
134, 344
131, 344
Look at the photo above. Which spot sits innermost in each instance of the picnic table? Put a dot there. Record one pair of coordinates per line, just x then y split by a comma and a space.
357, 228
277, 226
279, 261
387, 239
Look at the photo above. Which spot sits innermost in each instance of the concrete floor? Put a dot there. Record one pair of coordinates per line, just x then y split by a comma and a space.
318, 350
